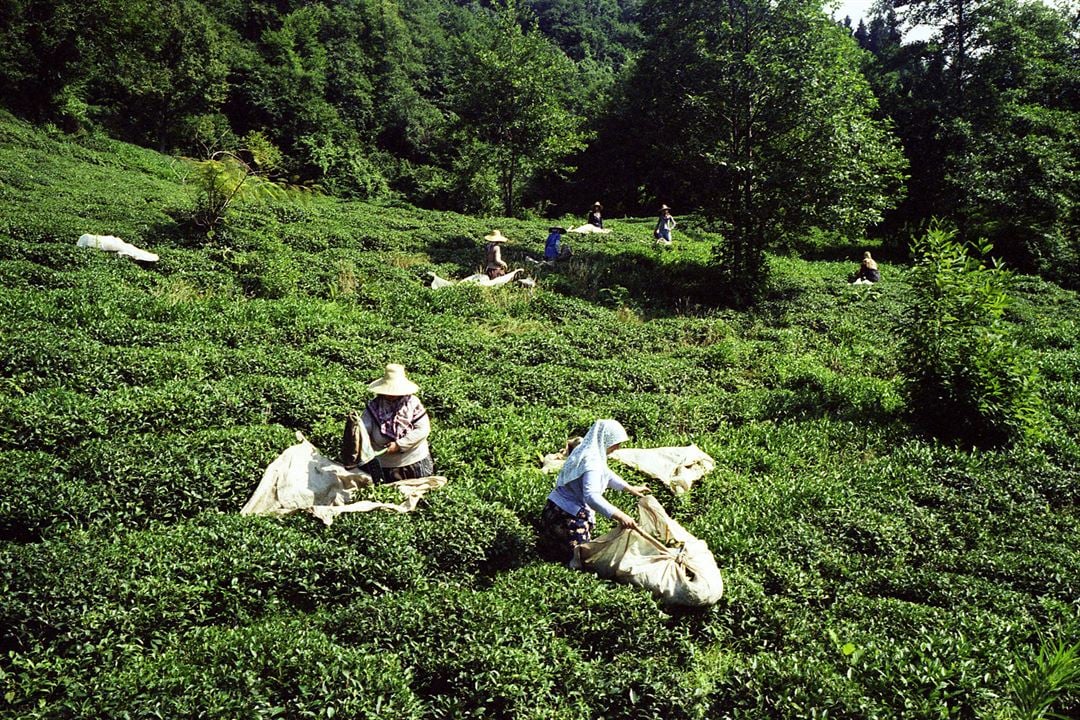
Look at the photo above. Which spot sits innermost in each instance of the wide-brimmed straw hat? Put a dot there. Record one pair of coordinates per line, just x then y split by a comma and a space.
597, 204
496, 237
393, 382
664, 207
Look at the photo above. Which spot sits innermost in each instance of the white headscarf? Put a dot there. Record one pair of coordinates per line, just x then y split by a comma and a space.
591, 454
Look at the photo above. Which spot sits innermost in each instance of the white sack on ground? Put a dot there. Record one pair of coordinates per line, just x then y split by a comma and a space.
114, 244
478, 279
676, 566
303, 480
677, 467
584, 229
552, 462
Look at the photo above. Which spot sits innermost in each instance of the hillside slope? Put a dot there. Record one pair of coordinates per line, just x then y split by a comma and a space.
871, 572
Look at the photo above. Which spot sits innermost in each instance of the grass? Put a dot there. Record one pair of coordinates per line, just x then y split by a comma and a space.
872, 571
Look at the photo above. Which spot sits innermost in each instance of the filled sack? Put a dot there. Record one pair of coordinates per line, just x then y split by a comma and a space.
662, 557
301, 479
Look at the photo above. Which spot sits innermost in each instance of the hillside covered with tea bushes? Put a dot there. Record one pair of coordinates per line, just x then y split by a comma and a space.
872, 569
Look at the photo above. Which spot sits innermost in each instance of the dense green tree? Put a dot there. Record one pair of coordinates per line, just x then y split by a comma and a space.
511, 98
41, 65
759, 115
1017, 173
992, 133
165, 57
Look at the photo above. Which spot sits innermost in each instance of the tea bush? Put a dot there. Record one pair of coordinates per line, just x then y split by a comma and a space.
89, 587
281, 667
871, 571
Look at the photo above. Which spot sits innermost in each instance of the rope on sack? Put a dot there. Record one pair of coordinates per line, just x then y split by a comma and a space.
677, 557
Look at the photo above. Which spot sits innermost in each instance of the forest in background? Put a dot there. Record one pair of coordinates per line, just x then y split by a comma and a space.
781, 127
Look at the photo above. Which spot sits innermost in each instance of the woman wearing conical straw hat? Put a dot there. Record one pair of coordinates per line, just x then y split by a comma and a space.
397, 422
494, 265
596, 216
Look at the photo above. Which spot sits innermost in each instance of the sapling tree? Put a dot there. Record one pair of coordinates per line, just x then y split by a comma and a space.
230, 176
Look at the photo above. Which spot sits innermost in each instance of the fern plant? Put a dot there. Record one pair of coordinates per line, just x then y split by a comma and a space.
226, 178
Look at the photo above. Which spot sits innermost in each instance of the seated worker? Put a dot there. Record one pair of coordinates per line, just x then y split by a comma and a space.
868, 271
554, 248
595, 216
396, 421
570, 513
494, 265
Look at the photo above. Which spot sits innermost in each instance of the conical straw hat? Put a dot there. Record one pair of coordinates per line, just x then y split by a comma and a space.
393, 382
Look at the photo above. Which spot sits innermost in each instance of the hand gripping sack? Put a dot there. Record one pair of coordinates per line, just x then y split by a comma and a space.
676, 566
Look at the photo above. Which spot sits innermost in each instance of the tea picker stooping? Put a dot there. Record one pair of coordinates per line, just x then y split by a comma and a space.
569, 516
868, 272
654, 552
495, 269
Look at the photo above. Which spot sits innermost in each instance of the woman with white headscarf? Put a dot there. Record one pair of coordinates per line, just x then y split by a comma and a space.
570, 514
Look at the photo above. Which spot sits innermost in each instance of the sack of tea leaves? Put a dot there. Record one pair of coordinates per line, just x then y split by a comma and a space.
663, 557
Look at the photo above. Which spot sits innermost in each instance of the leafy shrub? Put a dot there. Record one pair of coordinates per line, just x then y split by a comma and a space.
460, 534
544, 641
168, 476
38, 495
968, 378
278, 668
214, 569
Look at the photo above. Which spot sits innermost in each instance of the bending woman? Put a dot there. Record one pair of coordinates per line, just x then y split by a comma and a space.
569, 516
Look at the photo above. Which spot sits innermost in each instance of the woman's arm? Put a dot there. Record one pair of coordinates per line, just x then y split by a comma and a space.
593, 485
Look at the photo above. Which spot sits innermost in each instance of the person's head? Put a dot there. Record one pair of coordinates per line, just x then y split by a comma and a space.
597, 206
556, 231
665, 210
866, 256
610, 434
393, 384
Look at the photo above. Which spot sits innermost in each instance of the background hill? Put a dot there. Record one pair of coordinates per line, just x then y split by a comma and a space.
770, 119
872, 571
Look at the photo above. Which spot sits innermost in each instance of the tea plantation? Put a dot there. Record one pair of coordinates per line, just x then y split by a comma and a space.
872, 570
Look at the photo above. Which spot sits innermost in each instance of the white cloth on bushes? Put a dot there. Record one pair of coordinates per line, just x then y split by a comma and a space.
677, 467
111, 243
301, 479
438, 283
584, 229
674, 565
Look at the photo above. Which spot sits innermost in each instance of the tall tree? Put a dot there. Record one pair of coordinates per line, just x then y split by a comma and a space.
168, 58
764, 120
993, 133
511, 97
1016, 176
